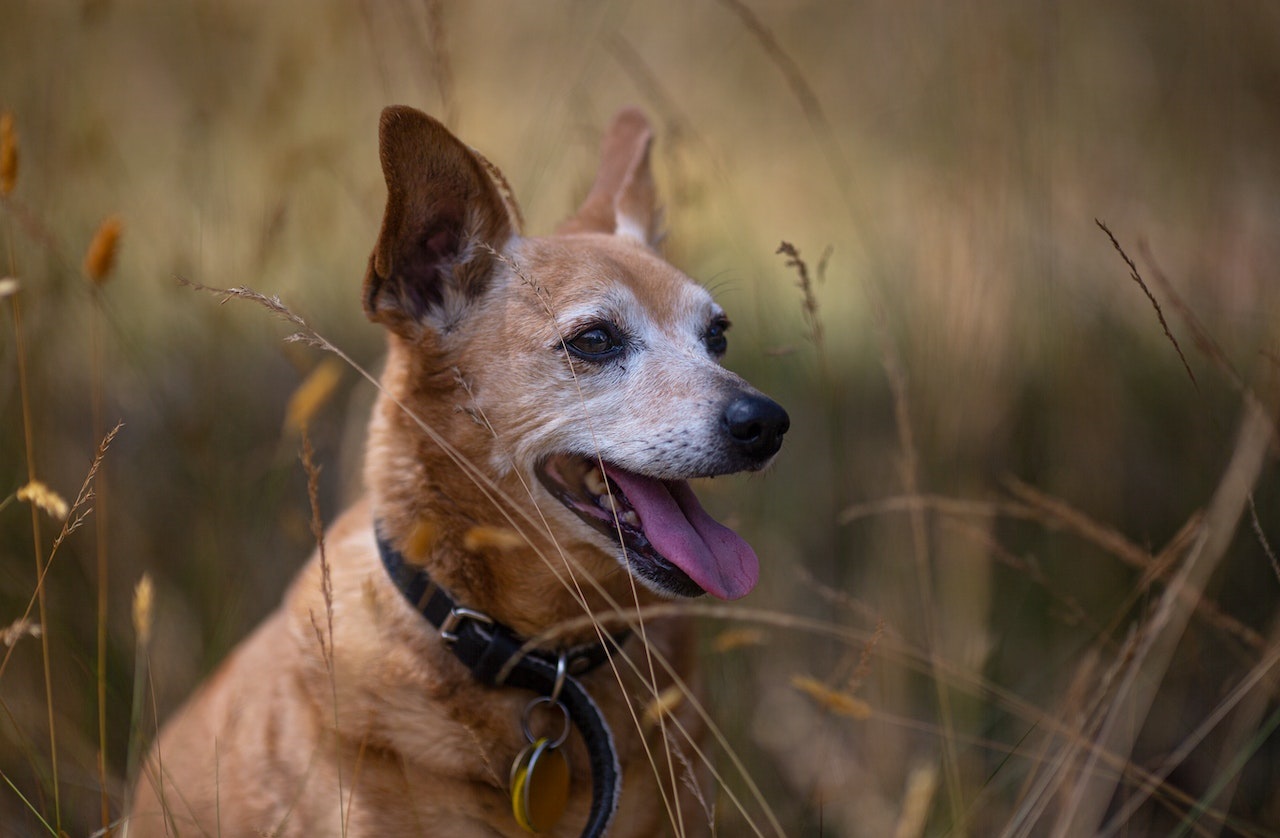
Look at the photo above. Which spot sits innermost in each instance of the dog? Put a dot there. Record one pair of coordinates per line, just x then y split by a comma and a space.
543, 403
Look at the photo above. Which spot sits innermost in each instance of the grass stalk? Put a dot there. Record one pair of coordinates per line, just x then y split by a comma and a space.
1228, 773
28, 436
326, 582
143, 604
1137, 278
28, 804
1087, 801
1246, 700
100, 555
909, 473
441, 65
803, 93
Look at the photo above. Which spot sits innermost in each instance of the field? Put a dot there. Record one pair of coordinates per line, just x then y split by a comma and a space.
1019, 552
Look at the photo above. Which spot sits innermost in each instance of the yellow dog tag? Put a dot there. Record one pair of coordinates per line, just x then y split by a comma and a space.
539, 786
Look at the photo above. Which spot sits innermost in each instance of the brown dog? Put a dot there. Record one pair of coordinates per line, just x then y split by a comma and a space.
518, 369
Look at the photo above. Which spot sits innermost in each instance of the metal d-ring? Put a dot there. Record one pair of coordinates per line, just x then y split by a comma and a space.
562, 671
545, 699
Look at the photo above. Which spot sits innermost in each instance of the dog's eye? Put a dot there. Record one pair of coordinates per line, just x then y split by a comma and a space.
595, 343
715, 337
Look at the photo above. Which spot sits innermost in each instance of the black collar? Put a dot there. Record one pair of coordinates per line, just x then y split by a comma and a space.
488, 648
493, 653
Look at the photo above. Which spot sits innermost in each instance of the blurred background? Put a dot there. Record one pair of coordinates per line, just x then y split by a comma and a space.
997, 460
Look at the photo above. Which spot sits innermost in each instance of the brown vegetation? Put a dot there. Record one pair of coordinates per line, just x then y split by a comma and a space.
1018, 569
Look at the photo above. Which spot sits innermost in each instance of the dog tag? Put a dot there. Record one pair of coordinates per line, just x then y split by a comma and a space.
539, 786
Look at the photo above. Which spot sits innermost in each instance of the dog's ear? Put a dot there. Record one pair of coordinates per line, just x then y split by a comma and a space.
622, 200
445, 220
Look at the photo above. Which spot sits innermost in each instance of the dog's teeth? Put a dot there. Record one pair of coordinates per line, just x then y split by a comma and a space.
594, 481
610, 503
630, 518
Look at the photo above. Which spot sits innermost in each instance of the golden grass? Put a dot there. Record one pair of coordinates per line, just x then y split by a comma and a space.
492, 538
100, 258
421, 539
324, 636
45, 499
18, 629
312, 394
739, 638
1034, 649
663, 705
142, 612
8, 154
836, 701
142, 607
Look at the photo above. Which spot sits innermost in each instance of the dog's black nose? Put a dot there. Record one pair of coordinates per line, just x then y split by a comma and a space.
756, 425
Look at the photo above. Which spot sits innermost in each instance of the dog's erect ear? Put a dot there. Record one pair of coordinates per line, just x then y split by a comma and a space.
445, 218
622, 200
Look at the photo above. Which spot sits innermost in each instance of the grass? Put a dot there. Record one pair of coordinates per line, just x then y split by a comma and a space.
1018, 570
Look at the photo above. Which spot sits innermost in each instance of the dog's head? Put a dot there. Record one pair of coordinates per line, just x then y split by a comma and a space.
590, 365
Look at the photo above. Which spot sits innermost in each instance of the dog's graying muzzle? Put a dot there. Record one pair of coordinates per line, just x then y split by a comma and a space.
755, 425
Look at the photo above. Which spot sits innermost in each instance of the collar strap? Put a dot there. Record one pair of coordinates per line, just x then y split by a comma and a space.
488, 648
493, 653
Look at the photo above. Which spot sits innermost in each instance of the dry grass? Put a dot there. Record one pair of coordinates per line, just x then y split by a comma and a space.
8, 154
1008, 582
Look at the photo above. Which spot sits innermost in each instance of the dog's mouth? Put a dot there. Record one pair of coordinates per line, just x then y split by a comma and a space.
672, 544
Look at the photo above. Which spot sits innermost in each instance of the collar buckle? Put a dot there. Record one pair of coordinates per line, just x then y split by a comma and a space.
454, 619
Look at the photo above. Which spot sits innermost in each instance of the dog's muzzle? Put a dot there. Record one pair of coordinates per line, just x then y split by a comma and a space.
669, 541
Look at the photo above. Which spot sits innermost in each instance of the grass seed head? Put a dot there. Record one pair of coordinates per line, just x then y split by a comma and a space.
18, 629
142, 602
8, 154
45, 498
840, 703
493, 538
8, 287
312, 394
922, 784
100, 258
421, 541
738, 638
663, 705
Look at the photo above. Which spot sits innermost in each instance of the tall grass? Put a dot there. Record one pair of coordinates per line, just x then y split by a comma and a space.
1019, 574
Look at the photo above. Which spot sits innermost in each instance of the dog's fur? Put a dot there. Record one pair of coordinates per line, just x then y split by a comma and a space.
518, 352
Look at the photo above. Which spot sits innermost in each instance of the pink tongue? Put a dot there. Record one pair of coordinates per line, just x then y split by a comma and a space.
677, 526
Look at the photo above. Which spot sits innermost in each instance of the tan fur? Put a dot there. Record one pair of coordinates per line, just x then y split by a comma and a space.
399, 738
